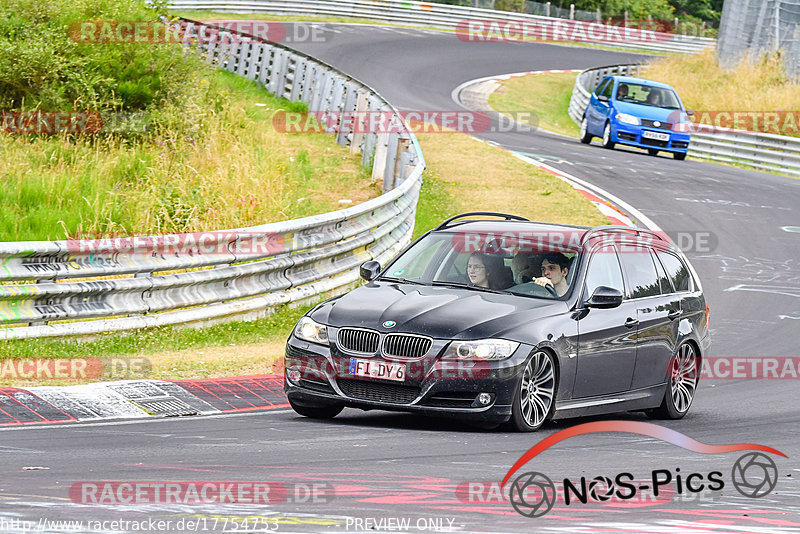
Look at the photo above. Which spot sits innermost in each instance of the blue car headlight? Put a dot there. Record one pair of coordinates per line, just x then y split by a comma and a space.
627, 119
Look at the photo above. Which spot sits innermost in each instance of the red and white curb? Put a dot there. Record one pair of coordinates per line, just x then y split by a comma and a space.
135, 399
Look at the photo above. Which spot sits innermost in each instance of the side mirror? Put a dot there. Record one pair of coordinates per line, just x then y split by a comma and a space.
690, 113
602, 98
369, 270
605, 297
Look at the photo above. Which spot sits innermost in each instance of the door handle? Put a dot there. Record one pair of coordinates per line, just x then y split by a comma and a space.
674, 314
631, 322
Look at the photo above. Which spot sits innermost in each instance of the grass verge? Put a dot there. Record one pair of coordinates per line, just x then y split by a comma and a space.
525, 94
239, 172
463, 174
704, 86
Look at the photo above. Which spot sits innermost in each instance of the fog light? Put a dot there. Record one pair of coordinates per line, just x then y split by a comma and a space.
293, 374
484, 398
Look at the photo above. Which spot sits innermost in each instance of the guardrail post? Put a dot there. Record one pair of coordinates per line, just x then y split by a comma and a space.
256, 50
309, 77
265, 70
347, 116
297, 80
379, 162
320, 83
232, 59
401, 160
274, 70
370, 138
337, 104
281, 81
391, 159
359, 121
245, 58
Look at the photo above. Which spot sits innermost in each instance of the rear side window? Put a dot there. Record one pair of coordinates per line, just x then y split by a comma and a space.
663, 281
641, 274
676, 271
604, 270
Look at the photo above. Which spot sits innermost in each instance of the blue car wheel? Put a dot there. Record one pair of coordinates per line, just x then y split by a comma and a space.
607, 142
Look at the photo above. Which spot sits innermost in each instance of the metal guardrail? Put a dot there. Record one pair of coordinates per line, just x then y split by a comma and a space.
770, 152
59, 288
432, 15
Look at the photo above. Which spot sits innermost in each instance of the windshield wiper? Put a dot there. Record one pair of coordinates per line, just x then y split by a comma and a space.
468, 286
401, 280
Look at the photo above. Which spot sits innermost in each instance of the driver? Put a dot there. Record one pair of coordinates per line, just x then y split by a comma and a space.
555, 268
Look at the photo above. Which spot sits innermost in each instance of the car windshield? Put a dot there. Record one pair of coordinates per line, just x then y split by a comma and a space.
647, 95
533, 265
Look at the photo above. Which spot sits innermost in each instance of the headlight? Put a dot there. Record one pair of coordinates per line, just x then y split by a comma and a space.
482, 349
627, 119
309, 330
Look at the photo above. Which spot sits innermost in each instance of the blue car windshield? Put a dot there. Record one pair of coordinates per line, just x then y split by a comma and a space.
507, 263
647, 95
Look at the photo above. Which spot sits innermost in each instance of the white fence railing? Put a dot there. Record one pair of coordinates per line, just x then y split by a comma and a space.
776, 153
451, 17
58, 288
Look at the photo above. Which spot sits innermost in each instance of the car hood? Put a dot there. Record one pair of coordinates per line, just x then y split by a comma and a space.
649, 112
436, 311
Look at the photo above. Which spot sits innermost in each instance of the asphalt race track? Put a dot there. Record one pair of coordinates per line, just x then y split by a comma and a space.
436, 474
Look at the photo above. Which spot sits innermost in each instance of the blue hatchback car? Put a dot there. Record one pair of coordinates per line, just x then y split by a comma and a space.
637, 112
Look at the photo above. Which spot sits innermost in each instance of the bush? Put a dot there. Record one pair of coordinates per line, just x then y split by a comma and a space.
42, 68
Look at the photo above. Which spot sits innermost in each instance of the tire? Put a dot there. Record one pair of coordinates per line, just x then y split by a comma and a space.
534, 393
684, 374
317, 412
680, 156
652, 151
607, 143
585, 136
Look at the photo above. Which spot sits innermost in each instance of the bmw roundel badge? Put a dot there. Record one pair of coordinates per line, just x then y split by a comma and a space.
389, 324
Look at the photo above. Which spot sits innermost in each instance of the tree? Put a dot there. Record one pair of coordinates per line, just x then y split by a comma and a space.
637, 9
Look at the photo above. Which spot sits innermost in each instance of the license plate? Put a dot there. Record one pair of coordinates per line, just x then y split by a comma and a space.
656, 135
378, 369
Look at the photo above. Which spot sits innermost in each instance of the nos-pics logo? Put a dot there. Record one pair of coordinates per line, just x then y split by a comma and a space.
533, 494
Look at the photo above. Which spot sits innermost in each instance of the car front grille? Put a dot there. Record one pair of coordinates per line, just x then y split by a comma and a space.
654, 142
378, 391
406, 346
359, 340
651, 124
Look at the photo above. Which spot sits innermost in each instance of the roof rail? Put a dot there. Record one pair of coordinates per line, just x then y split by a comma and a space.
617, 228
505, 216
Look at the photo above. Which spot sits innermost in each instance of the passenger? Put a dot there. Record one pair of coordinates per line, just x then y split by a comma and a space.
487, 270
622, 92
525, 267
555, 268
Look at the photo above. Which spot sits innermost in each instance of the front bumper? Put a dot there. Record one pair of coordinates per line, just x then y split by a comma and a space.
631, 135
317, 375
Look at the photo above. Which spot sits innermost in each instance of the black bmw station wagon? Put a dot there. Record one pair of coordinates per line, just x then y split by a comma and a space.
497, 319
